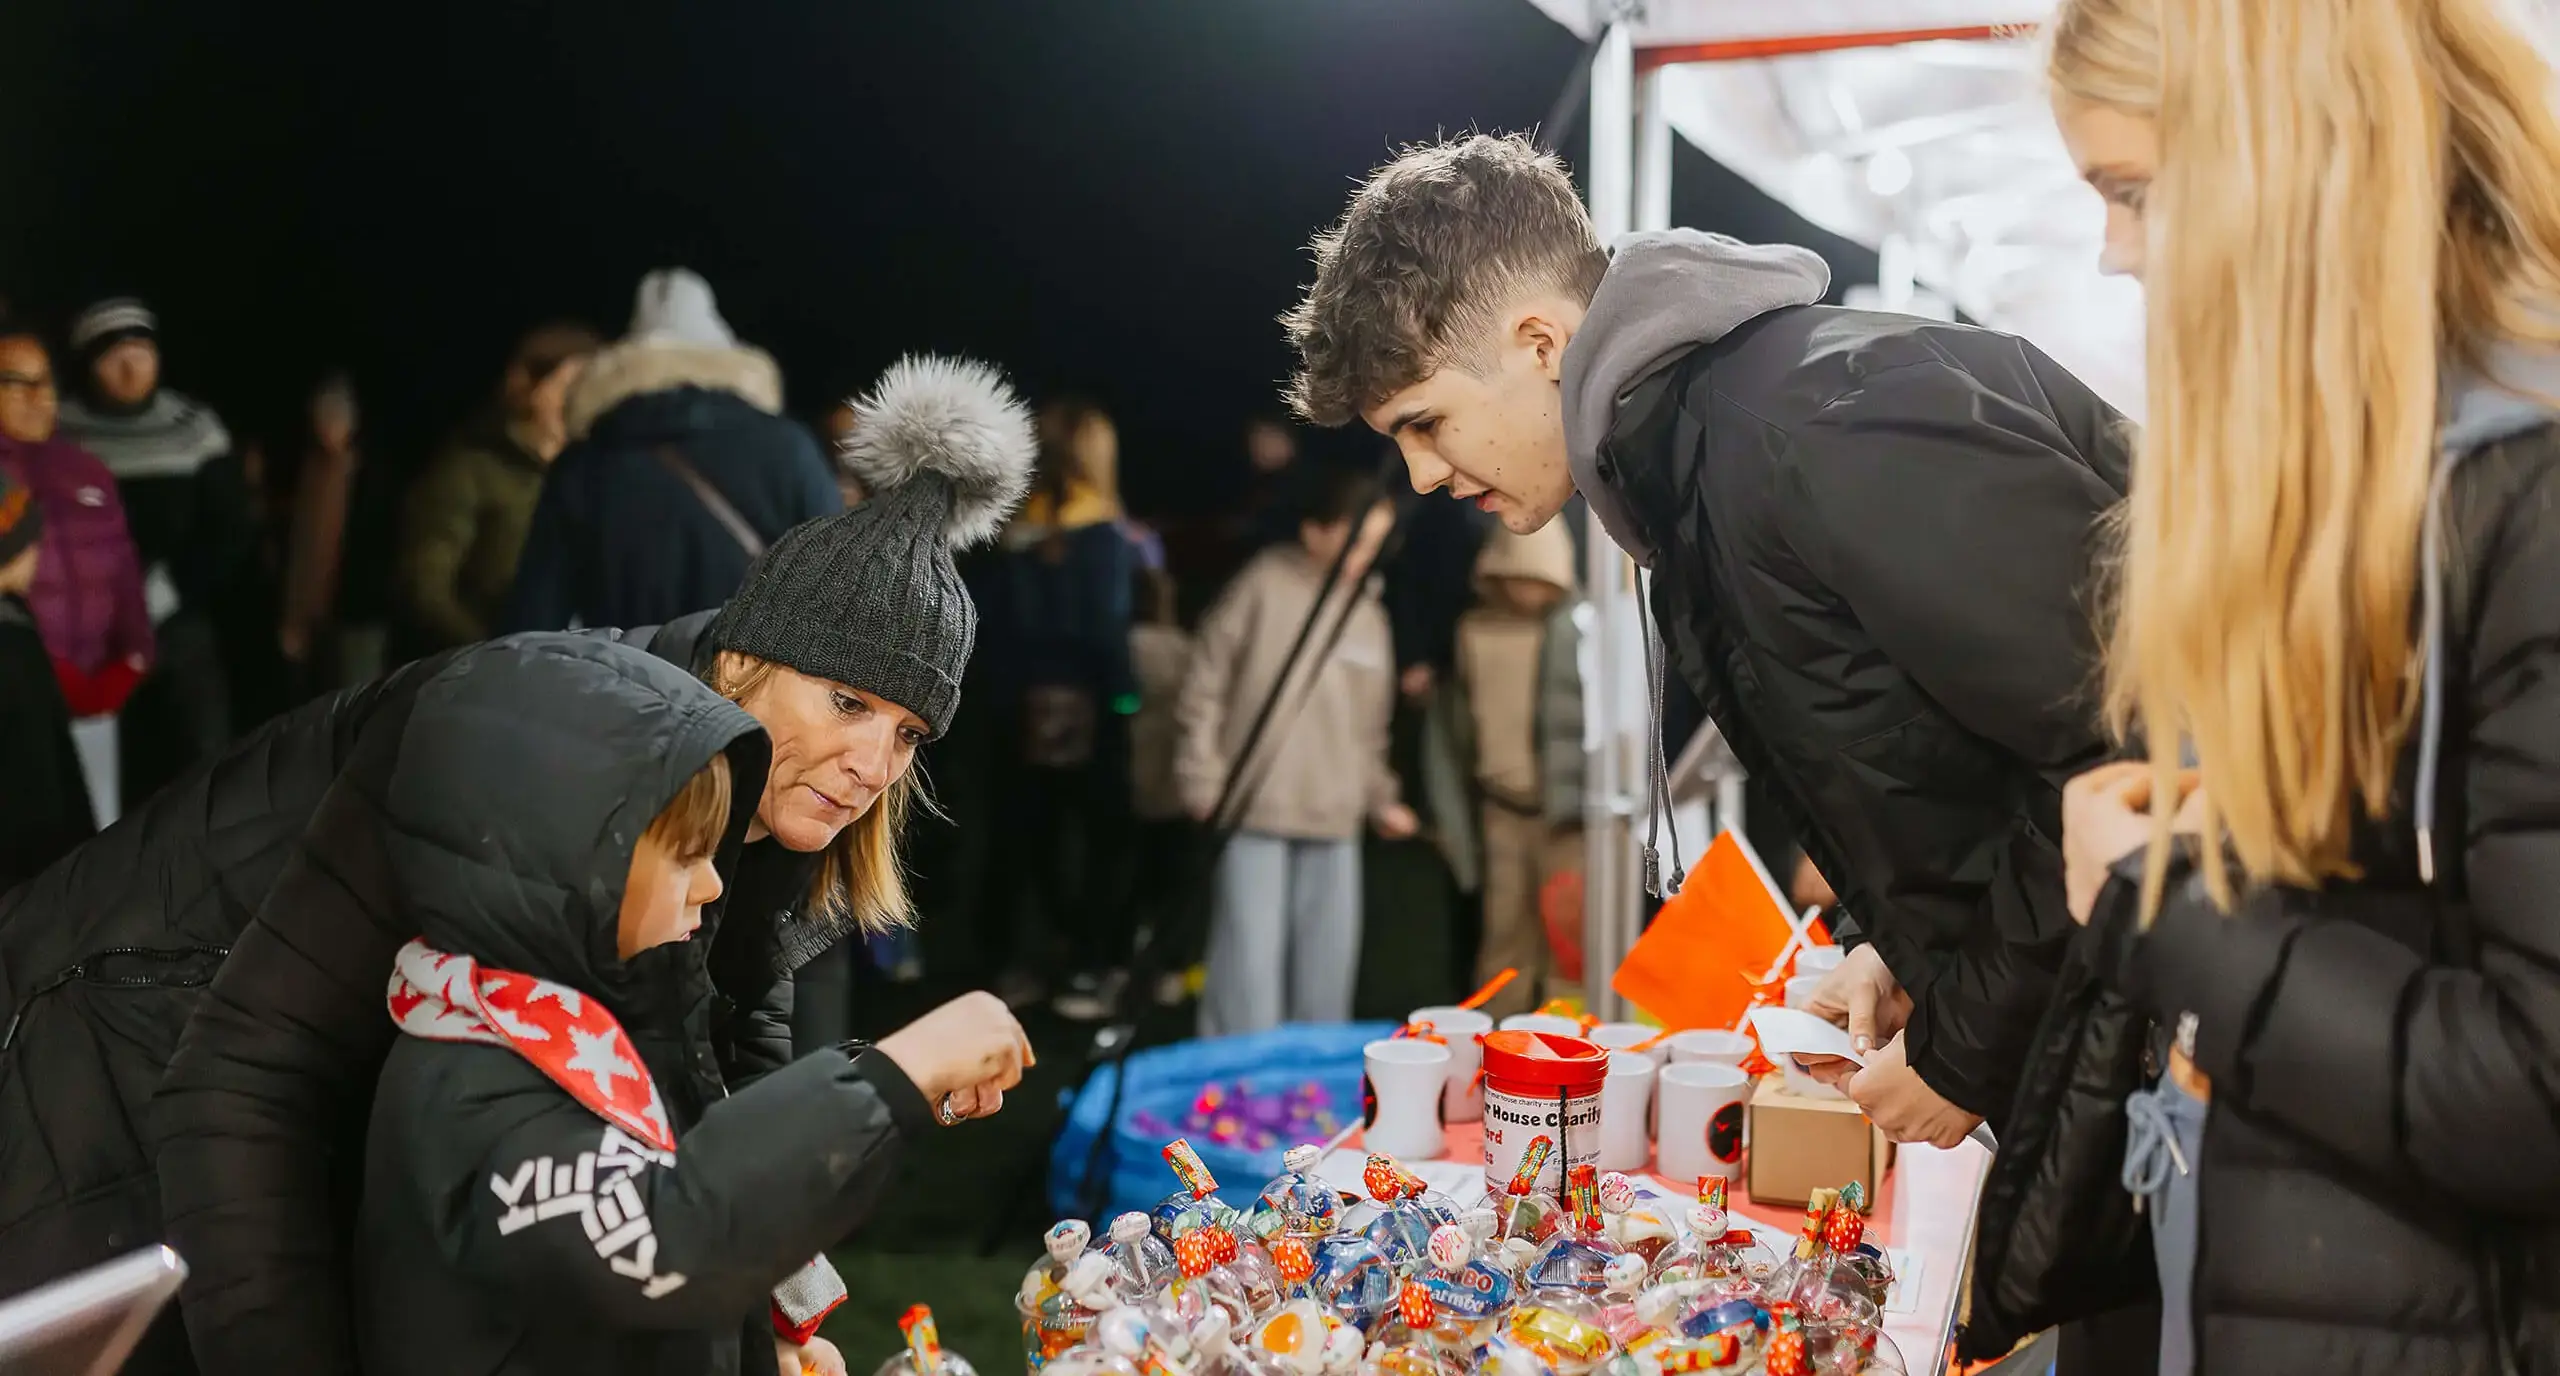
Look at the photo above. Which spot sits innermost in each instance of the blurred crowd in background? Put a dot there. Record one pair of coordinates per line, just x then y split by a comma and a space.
176, 576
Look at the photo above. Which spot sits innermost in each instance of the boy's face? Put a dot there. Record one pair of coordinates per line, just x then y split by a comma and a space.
1324, 541
664, 899
1498, 439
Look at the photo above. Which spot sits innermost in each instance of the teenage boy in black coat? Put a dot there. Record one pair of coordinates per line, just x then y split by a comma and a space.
1869, 534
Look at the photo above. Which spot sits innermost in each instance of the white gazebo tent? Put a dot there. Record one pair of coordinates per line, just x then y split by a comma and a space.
1917, 127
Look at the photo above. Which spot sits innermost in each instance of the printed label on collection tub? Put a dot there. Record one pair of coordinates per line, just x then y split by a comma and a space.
1571, 1128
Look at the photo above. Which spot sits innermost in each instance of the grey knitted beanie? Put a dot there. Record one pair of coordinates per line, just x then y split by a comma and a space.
869, 597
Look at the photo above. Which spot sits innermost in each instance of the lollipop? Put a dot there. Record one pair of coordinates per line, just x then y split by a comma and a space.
1206, 1284
923, 1355
1196, 1204
1786, 1356
1295, 1261
1395, 1220
1296, 1203
1145, 1263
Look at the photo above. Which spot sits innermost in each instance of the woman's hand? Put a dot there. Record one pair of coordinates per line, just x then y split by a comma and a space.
976, 1101
971, 1043
2106, 816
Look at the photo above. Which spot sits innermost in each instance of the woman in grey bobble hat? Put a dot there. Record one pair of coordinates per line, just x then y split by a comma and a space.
847, 643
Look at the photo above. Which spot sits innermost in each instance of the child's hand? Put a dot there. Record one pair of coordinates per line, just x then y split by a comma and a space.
1395, 822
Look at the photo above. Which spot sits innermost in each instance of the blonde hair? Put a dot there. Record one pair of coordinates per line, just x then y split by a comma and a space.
859, 875
2350, 192
694, 822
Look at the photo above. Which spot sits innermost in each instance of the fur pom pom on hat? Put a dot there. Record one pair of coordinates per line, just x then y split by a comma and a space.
955, 419
869, 597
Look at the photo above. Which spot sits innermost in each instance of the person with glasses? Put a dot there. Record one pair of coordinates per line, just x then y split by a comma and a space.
87, 595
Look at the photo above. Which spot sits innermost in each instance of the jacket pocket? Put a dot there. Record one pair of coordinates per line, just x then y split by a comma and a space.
2057, 1237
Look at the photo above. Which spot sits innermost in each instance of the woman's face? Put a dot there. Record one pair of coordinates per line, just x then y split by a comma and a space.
2117, 154
27, 401
835, 751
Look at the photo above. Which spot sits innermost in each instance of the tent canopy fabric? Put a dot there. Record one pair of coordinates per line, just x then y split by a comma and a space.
1940, 153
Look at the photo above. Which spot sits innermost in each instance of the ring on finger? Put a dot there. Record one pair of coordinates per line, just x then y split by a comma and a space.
950, 1114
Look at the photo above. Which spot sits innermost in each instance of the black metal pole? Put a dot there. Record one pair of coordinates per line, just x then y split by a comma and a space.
1110, 1046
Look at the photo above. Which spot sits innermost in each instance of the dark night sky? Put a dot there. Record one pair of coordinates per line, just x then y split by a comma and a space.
1110, 195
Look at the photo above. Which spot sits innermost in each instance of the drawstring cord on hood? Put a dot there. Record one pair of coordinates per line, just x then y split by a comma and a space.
1657, 765
2431, 674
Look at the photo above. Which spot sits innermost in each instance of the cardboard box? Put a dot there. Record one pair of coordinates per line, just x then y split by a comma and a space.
1799, 1145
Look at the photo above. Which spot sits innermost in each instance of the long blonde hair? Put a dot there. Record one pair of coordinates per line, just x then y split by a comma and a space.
2350, 193
860, 874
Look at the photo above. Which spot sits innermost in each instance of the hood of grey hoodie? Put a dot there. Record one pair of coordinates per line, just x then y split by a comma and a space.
1666, 292
2515, 393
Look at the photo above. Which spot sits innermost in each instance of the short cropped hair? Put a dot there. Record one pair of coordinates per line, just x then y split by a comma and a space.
694, 821
1434, 246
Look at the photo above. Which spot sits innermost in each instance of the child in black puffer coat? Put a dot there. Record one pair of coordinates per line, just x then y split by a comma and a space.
555, 1180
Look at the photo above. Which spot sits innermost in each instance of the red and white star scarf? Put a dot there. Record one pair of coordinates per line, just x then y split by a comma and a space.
580, 1047
567, 1035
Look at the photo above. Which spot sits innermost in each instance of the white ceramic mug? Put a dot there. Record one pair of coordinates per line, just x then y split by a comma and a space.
1819, 960
1623, 1036
1801, 989
1406, 1075
1626, 1097
1542, 1022
1463, 1100
1716, 1044
1702, 1120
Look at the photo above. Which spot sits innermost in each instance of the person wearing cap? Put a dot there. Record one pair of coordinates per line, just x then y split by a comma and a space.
847, 643
44, 799
680, 470
187, 511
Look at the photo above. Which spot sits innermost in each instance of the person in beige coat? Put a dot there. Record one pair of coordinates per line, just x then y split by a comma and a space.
1284, 925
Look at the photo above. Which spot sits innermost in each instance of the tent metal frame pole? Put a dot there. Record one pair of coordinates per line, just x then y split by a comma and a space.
1744, 49
1616, 708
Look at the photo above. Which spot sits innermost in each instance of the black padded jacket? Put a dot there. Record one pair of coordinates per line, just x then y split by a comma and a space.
1873, 540
624, 1257
2380, 1175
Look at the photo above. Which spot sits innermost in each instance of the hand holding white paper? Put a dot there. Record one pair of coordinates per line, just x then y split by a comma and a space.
1793, 1032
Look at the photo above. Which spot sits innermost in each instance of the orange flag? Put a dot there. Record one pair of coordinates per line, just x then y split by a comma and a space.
1714, 944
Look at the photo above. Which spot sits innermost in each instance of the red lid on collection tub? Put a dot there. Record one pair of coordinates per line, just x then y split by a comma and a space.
1543, 1058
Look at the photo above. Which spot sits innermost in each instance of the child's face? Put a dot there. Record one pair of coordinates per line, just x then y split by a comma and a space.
1324, 542
664, 899
19, 574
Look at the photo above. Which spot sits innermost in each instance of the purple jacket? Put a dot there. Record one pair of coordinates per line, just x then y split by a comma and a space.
88, 592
